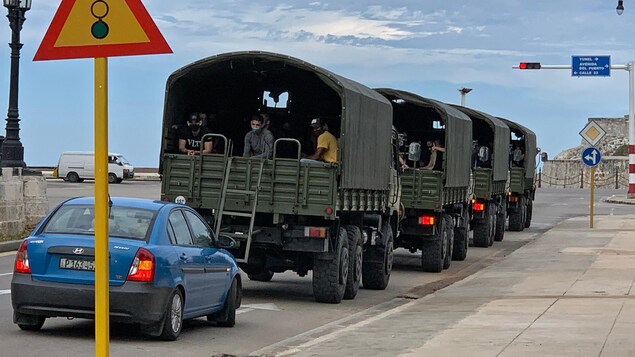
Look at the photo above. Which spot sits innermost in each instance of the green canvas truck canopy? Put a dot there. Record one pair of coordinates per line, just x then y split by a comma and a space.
531, 149
232, 83
501, 140
458, 134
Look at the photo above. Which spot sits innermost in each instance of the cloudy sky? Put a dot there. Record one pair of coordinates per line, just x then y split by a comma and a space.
430, 47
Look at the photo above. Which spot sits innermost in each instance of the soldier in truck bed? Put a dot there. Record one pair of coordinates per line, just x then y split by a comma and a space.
191, 135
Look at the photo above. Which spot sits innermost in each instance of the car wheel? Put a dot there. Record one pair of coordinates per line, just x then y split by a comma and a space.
227, 316
173, 319
112, 178
72, 177
34, 325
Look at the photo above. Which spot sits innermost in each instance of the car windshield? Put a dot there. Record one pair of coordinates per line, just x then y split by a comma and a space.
122, 160
123, 222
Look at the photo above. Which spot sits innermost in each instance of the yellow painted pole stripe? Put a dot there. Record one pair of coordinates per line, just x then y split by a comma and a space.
102, 333
592, 193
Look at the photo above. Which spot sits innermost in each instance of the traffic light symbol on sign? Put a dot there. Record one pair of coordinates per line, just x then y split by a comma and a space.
529, 65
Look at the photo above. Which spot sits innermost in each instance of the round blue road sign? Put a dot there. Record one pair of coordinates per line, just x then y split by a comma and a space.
591, 156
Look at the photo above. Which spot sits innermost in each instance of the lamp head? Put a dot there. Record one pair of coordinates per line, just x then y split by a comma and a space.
620, 7
21, 4
465, 90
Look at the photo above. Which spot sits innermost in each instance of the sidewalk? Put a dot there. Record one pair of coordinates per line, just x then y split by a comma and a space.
568, 293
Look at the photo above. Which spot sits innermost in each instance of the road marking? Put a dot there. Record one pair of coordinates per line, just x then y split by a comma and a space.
3, 274
5, 292
270, 307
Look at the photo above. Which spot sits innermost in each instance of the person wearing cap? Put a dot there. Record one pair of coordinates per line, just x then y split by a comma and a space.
326, 150
191, 136
259, 140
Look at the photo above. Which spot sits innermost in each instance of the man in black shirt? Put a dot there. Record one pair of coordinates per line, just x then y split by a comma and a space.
190, 137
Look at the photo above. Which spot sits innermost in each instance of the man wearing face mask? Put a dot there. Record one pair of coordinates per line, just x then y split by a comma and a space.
258, 141
326, 150
190, 137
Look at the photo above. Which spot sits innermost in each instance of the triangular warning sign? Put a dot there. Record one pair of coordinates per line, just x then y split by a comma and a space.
101, 28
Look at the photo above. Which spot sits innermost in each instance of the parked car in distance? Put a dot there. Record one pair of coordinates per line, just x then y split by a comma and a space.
165, 265
76, 166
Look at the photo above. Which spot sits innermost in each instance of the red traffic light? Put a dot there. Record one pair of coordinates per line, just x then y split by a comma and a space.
529, 65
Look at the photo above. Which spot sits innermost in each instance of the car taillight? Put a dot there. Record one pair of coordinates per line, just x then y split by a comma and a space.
142, 268
513, 198
426, 220
478, 206
22, 260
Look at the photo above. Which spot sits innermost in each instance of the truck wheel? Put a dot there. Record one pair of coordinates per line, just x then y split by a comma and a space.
330, 276
112, 178
461, 241
72, 177
433, 252
449, 232
517, 219
481, 234
375, 275
355, 261
530, 209
491, 223
501, 218
266, 275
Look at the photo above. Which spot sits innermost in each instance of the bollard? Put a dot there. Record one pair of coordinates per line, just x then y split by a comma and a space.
617, 179
582, 178
540, 178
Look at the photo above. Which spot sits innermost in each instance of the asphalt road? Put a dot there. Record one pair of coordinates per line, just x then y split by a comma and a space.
283, 309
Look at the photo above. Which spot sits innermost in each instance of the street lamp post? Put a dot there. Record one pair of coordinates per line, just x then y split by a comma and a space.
463, 92
12, 150
620, 7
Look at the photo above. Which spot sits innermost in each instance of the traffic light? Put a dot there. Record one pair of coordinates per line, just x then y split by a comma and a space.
529, 65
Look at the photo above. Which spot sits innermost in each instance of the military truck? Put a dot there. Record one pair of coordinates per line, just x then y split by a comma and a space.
490, 162
337, 220
522, 176
435, 200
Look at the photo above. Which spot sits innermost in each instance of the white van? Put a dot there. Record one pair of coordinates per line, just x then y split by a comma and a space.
75, 166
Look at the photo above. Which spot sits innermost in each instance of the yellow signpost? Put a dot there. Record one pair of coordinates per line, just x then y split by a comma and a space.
99, 29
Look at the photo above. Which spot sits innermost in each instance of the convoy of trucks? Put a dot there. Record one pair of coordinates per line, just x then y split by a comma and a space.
341, 220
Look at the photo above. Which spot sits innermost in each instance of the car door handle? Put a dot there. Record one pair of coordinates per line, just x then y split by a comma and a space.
183, 256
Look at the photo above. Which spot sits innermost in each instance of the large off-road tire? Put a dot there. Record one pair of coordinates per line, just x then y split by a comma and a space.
501, 218
265, 276
530, 209
434, 251
481, 234
449, 231
375, 275
34, 325
355, 261
330, 276
72, 177
227, 316
516, 219
112, 178
492, 223
173, 319
461, 240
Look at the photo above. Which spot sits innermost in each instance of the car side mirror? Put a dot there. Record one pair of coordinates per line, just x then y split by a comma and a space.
414, 151
204, 241
226, 242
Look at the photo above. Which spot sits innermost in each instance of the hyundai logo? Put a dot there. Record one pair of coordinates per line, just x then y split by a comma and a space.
78, 250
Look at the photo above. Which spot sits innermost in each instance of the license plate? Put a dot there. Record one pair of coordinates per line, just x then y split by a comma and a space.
77, 264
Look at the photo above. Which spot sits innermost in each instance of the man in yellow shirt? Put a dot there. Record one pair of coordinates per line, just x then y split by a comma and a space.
326, 144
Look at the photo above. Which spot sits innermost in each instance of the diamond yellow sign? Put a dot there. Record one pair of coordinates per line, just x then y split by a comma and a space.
592, 133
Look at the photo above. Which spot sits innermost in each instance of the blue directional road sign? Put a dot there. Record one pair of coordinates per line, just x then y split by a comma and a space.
591, 156
590, 66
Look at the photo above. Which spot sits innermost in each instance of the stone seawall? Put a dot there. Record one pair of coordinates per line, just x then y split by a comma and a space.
612, 172
23, 201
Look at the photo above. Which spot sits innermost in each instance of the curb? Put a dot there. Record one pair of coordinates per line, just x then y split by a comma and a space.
620, 199
10, 246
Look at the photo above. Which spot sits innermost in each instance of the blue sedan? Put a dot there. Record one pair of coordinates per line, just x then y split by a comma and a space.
165, 265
